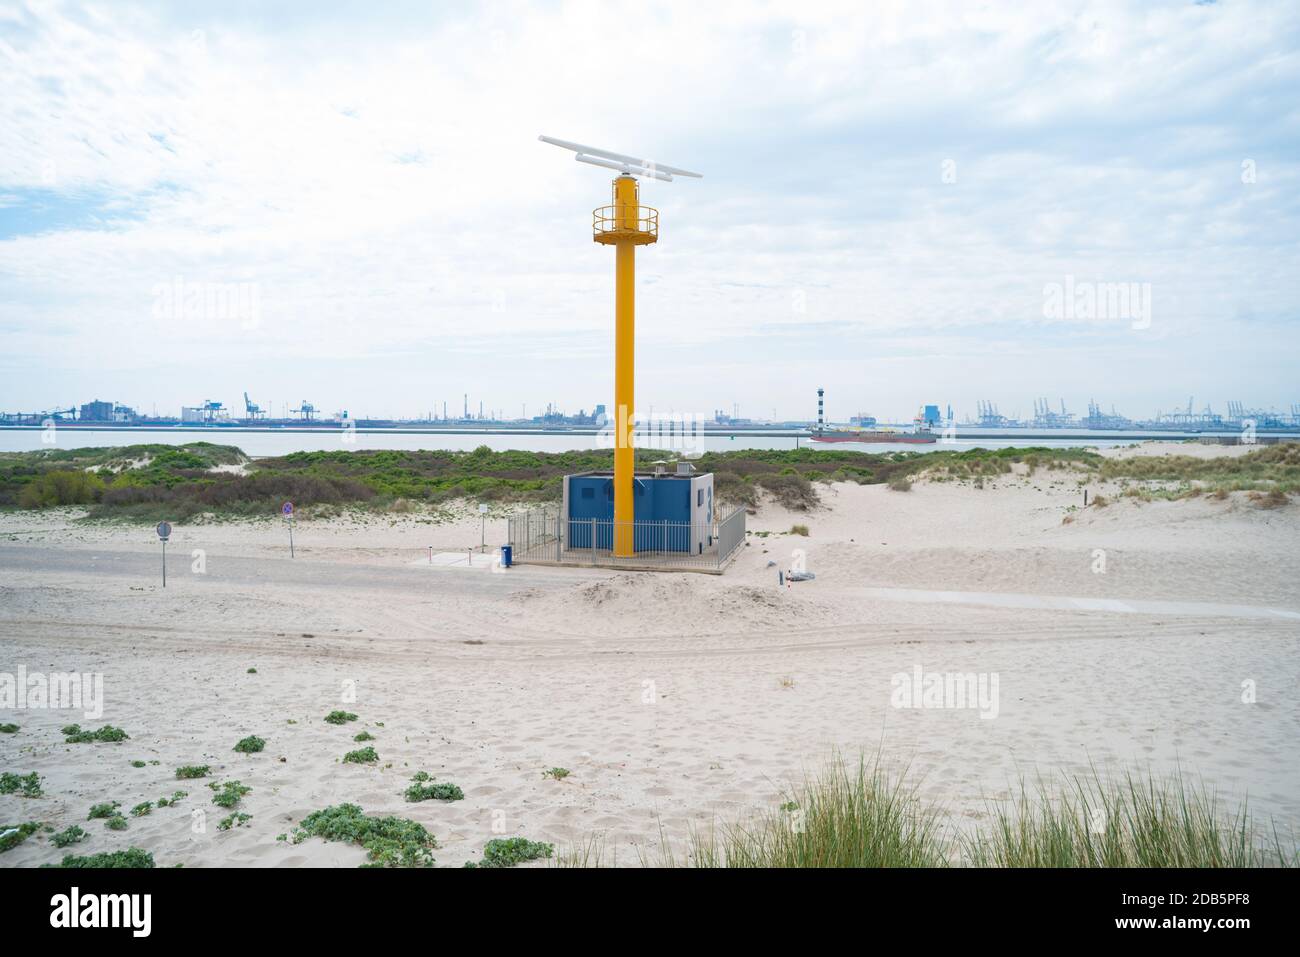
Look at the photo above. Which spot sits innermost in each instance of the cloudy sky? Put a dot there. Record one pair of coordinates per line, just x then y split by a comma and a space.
892, 197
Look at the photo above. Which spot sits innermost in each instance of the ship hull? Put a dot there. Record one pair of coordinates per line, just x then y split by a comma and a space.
907, 438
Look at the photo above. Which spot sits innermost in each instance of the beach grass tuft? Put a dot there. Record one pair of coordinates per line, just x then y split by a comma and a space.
1134, 820
861, 817
865, 817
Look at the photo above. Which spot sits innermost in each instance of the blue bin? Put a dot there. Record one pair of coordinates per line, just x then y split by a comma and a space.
507, 555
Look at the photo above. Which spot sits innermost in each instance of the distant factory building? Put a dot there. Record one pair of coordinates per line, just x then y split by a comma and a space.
97, 411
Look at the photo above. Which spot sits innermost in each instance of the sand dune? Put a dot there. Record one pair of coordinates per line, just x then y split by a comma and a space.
673, 699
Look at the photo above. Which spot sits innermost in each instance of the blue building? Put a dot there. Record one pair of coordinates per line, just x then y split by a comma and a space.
673, 510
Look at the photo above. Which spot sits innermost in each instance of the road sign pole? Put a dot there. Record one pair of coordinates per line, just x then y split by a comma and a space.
164, 530
291, 537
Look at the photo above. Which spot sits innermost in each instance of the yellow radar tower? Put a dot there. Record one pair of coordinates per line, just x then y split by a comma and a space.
624, 224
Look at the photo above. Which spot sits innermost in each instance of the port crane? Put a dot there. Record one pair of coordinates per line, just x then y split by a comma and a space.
252, 409
305, 411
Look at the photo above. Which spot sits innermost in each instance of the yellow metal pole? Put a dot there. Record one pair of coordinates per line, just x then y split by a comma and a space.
626, 203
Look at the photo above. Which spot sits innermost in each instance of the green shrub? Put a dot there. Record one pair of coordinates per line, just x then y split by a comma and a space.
9, 729
339, 717
29, 785
61, 488
115, 822
558, 774
107, 733
132, 857
364, 736
250, 745
107, 809
509, 851
366, 755
75, 735
389, 841
422, 791
69, 835
11, 835
140, 810
192, 771
228, 793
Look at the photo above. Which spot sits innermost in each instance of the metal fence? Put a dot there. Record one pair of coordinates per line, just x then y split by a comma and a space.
544, 536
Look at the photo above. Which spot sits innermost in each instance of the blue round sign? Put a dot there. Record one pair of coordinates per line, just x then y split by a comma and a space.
287, 509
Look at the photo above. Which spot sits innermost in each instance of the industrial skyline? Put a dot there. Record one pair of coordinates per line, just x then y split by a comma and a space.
983, 413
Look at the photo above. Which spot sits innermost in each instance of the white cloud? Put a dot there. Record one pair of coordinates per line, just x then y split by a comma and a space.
377, 176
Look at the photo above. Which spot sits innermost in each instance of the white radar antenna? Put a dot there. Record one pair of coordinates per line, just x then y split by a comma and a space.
628, 165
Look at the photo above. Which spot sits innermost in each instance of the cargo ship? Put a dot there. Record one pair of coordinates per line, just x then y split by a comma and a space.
919, 437
863, 428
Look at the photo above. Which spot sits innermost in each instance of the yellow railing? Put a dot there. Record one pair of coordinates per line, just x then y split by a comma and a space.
626, 220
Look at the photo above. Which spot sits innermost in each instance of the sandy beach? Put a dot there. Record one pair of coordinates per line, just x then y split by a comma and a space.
1120, 637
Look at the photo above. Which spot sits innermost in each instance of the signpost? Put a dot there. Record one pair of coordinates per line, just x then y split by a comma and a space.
164, 530
287, 511
482, 514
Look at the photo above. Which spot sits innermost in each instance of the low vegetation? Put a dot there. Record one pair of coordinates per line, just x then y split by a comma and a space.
366, 755
74, 834
339, 717
868, 818
423, 788
250, 745
388, 841
132, 857
26, 785
192, 771
227, 794
509, 851
75, 735
11, 835
153, 482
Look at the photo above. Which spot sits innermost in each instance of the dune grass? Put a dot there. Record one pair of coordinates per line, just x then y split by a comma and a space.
1135, 820
863, 817
867, 817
